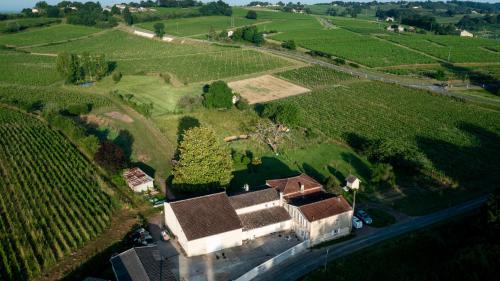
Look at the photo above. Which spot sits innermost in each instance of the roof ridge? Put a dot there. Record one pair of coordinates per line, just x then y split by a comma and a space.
206, 195
334, 197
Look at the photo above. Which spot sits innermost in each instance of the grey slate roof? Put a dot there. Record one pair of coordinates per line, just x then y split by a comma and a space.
141, 264
254, 198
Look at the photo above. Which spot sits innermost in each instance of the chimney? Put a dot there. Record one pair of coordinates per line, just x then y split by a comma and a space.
301, 187
281, 198
246, 187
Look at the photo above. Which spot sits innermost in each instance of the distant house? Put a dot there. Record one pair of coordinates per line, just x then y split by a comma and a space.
389, 19
137, 180
140, 264
35, 10
230, 33
214, 222
465, 33
395, 28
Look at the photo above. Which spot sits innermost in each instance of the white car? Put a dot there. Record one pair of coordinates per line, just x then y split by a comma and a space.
356, 223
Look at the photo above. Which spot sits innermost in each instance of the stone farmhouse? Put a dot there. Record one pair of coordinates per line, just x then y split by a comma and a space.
214, 222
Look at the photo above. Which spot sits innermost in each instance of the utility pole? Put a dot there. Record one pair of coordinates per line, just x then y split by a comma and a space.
326, 257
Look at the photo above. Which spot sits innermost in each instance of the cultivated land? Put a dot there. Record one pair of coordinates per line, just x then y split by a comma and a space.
39, 167
265, 88
27, 69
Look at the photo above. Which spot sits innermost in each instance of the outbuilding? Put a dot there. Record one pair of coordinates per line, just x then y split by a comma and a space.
138, 180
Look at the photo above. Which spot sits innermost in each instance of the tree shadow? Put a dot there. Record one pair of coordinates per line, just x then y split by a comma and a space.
484, 80
125, 141
145, 167
312, 172
186, 123
271, 168
360, 167
475, 164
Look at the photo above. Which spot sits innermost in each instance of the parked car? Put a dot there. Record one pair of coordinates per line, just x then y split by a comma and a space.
356, 222
362, 215
165, 236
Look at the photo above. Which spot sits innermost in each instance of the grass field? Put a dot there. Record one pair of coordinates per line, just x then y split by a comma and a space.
188, 62
41, 168
451, 137
21, 68
198, 25
56, 33
27, 22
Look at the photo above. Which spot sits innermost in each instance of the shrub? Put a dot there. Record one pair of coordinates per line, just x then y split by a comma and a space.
159, 29
13, 27
166, 77
286, 113
383, 175
332, 184
251, 15
339, 61
111, 157
290, 44
117, 76
242, 104
219, 95
355, 65
189, 103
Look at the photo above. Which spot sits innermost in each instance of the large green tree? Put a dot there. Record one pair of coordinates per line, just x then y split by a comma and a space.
219, 95
204, 163
127, 16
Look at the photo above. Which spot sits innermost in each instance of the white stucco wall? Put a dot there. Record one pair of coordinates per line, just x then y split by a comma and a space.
214, 243
258, 207
330, 228
143, 187
173, 224
268, 229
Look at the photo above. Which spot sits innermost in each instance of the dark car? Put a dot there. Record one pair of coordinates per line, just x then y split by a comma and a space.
364, 216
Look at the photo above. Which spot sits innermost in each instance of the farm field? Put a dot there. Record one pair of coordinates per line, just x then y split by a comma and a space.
191, 26
348, 45
359, 26
27, 22
433, 127
22, 68
188, 62
459, 49
55, 33
59, 204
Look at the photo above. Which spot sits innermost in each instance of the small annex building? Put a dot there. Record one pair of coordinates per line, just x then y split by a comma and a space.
141, 264
138, 180
465, 33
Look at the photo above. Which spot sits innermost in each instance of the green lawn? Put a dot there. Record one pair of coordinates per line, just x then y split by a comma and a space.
26, 23
55, 33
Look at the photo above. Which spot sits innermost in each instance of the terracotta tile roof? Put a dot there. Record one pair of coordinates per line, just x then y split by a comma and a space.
135, 176
291, 186
264, 217
206, 215
325, 208
254, 198
301, 200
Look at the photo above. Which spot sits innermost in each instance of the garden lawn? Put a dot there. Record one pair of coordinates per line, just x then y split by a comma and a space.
51, 34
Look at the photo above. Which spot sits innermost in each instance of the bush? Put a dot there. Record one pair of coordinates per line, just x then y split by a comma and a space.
355, 65
13, 27
290, 44
166, 77
339, 61
286, 113
332, 184
251, 15
219, 95
111, 157
77, 109
242, 104
159, 29
383, 175
189, 103
117, 76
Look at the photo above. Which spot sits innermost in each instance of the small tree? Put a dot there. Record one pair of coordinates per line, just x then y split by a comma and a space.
117, 76
69, 67
159, 29
219, 95
111, 156
286, 113
332, 184
289, 44
270, 134
383, 175
204, 163
127, 16
251, 15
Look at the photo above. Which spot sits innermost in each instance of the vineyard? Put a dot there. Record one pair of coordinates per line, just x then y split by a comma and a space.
435, 127
315, 77
51, 201
45, 35
459, 49
47, 97
189, 62
21, 68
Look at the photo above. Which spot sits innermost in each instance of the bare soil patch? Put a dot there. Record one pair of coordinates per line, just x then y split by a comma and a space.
119, 116
266, 88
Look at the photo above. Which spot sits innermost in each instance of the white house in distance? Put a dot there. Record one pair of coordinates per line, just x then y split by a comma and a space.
137, 180
214, 222
389, 19
465, 33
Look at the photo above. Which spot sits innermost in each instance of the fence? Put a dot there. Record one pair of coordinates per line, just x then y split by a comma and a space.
265, 266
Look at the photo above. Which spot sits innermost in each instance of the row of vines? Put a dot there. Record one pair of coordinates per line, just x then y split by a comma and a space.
51, 201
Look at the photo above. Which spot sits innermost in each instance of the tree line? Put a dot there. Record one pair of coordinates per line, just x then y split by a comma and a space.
82, 68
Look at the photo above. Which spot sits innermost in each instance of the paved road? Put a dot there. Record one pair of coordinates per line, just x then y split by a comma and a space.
302, 264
